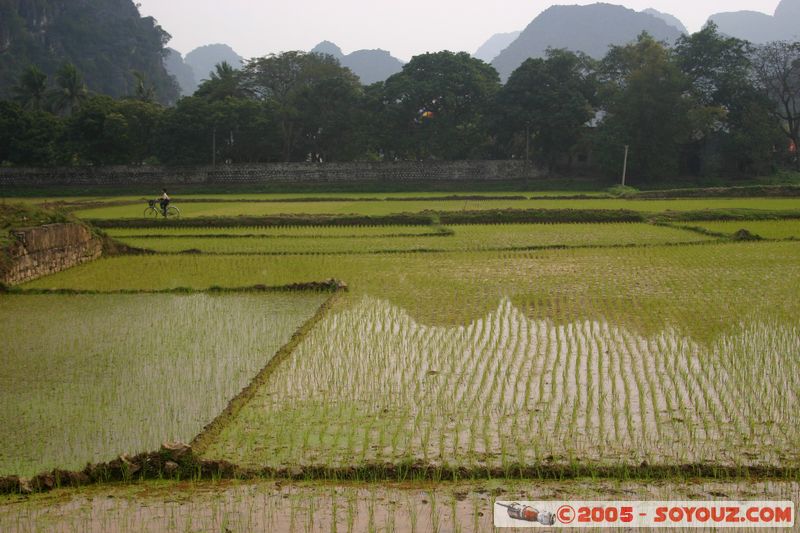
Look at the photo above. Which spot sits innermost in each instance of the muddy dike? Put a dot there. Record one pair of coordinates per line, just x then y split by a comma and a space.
423, 218
752, 191
178, 461
330, 285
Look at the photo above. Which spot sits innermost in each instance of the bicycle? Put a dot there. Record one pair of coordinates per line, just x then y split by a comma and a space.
153, 210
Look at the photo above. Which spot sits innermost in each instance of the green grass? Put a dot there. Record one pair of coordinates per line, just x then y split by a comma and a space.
767, 229
226, 209
85, 378
462, 238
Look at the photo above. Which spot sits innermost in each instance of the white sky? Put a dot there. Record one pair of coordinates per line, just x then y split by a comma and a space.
404, 27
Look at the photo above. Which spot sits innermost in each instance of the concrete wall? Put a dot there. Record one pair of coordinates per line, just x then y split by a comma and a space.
49, 249
283, 173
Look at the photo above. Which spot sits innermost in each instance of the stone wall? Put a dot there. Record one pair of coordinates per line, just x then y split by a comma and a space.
49, 249
386, 173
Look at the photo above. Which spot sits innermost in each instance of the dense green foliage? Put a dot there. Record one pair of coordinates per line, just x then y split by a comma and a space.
711, 106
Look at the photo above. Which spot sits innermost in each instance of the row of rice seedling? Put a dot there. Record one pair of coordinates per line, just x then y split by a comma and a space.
300, 232
372, 385
211, 209
300, 508
460, 238
767, 229
87, 377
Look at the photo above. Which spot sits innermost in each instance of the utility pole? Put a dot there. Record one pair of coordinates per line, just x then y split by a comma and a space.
214, 148
527, 153
527, 144
625, 166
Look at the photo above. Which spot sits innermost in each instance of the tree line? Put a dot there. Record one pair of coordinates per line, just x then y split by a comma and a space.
708, 106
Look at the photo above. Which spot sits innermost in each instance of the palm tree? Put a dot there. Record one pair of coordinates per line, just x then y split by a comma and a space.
71, 92
31, 89
224, 83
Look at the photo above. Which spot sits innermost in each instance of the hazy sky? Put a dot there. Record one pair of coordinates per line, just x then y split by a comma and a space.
404, 27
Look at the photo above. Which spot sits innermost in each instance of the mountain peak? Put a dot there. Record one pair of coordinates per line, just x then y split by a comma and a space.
758, 27
496, 44
669, 19
788, 9
204, 59
328, 48
369, 65
590, 29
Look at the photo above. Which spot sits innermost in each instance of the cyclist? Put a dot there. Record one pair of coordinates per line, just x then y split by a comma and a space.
164, 201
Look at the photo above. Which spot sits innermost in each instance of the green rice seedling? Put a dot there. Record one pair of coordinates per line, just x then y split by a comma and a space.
88, 377
227, 209
379, 347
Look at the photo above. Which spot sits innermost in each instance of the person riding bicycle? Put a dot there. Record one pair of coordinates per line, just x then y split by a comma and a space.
164, 201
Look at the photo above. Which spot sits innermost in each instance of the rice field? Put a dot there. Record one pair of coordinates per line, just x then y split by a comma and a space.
481, 348
161, 507
767, 229
279, 232
390, 206
85, 378
372, 385
454, 238
702, 290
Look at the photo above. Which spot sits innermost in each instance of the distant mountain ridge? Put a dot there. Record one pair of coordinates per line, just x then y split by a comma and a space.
496, 44
370, 66
760, 28
589, 29
672, 20
204, 59
183, 73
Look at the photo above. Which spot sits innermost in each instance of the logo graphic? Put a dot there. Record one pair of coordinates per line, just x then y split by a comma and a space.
526, 513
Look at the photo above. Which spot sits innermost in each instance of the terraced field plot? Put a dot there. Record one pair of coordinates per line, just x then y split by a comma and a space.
371, 385
605, 356
280, 232
87, 377
703, 290
385, 207
160, 507
454, 238
767, 229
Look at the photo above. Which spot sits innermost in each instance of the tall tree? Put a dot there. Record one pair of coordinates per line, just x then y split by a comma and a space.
30, 137
438, 106
70, 92
198, 131
550, 102
284, 80
98, 133
777, 70
141, 119
31, 89
645, 98
733, 132
329, 112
